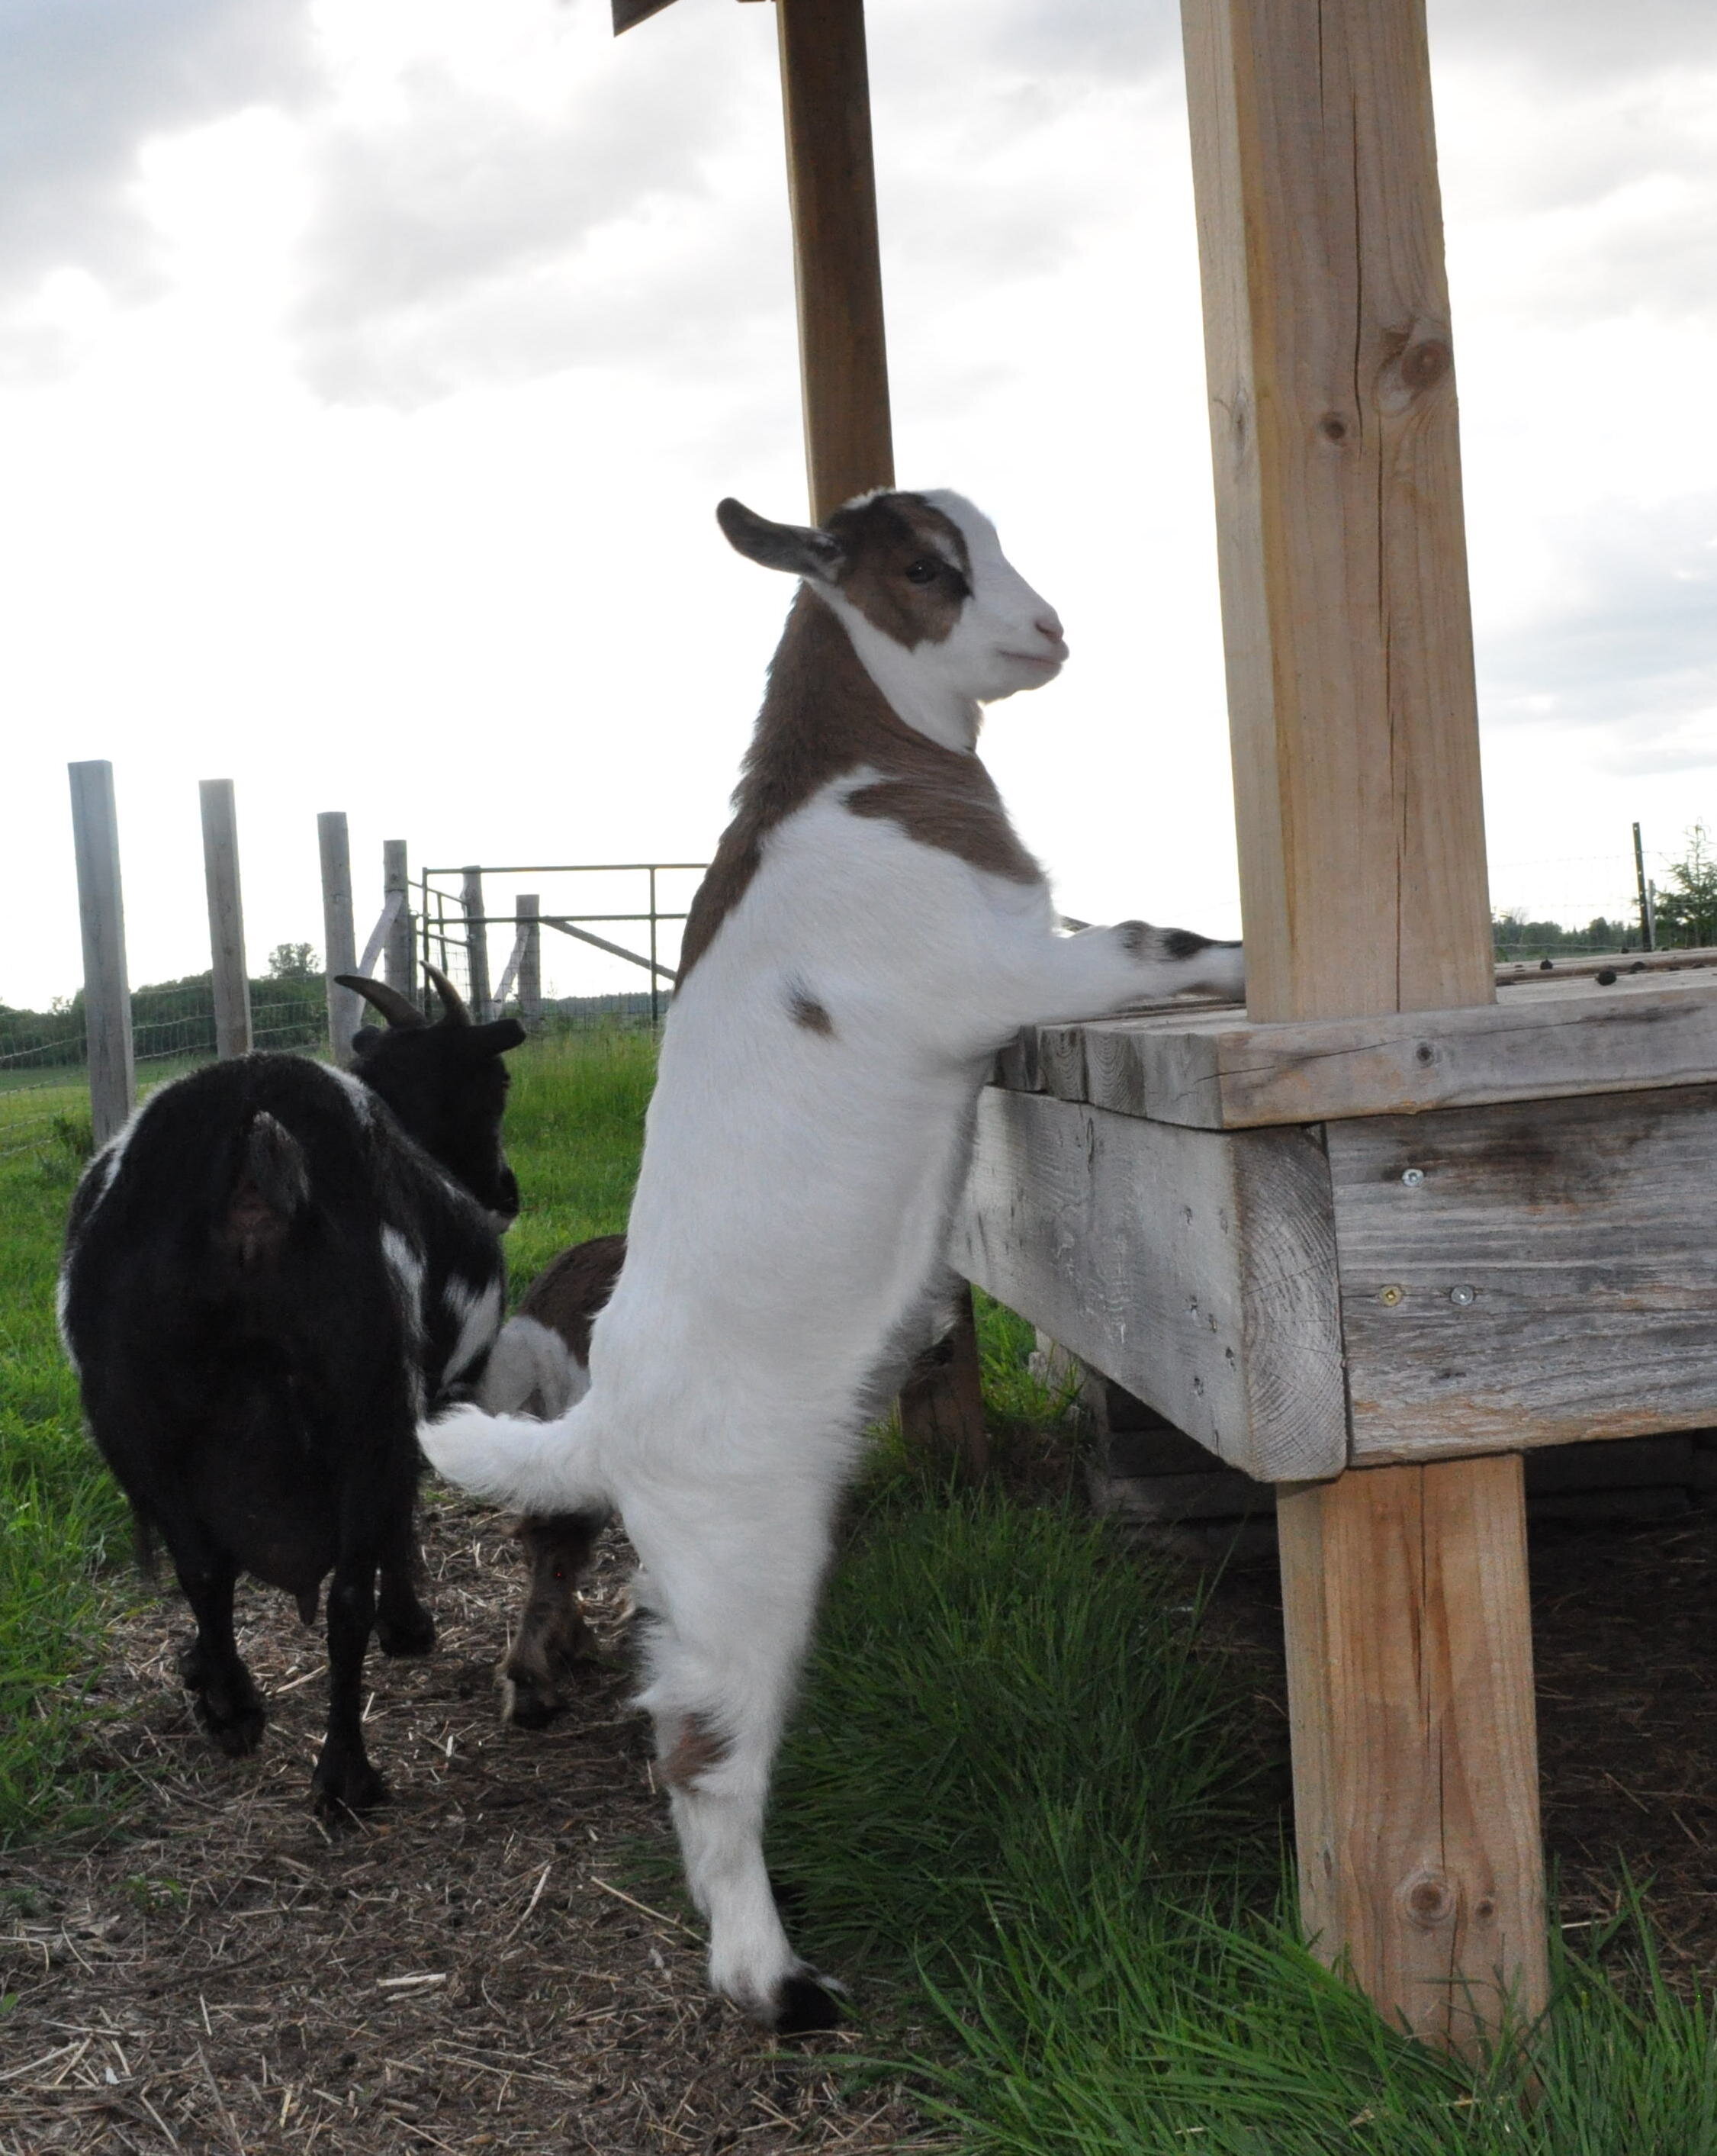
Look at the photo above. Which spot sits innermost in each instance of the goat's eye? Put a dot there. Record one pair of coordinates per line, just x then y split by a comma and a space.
923, 573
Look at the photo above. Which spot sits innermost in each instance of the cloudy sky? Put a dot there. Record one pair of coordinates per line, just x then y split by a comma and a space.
369, 369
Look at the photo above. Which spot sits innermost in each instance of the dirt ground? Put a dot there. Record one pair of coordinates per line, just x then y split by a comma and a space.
472, 1971
469, 1971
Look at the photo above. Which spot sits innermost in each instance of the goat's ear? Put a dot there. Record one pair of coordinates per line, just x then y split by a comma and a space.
364, 1040
801, 549
498, 1036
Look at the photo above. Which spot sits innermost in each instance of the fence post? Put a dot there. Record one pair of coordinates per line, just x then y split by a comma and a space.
1647, 912
399, 961
230, 983
107, 994
527, 906
476, 942
339, 932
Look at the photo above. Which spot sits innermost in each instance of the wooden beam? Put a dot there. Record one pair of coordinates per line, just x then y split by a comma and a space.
1415, 1747
1342, 552
1547, 1039
230, 980
107, 993
339, 934
400, 957
838, 272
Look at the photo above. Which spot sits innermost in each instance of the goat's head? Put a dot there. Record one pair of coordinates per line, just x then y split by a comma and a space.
935, 610
446, 1083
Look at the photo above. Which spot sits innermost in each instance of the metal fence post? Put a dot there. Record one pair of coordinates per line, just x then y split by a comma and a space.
230, 981
476, 940
400, 960
338, 931
527, 906
107, 994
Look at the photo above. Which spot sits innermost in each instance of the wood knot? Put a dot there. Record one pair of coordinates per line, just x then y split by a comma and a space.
1333, 427
1425, 363
1424, 1053
1430, 1900
1485, 1909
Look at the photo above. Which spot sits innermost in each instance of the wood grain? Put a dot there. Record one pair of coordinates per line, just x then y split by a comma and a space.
339, 930
399, 957
1342, 553
1194, 1268
101, 914
230, 979
1415, 1747
1552, 1278
837, 265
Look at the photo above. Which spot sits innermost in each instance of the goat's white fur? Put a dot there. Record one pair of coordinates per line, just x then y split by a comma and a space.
787, 1244
531, 1370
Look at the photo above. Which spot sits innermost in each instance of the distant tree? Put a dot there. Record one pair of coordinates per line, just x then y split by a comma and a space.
1687, 911
294, 962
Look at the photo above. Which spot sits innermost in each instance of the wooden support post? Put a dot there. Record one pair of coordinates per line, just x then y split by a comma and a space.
1353, 716
476, 942
942, 1402
339, 932
832, 185
399, 955
226, 917
107, 994
1415, 1751
527, 906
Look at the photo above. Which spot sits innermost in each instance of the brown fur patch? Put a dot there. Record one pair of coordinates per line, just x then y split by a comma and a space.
805, 1010
568, 1292
822, 716
884, 538
694, 1752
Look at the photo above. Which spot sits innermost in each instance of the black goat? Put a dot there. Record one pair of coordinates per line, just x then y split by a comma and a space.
270, 1274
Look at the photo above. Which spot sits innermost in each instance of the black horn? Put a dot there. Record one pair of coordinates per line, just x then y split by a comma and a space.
396, 1008
452, 1001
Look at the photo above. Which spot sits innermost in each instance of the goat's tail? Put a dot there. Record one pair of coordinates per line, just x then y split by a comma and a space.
529, 1467
271, 1184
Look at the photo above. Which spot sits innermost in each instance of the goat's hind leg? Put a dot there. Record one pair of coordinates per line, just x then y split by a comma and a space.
344, 1779
224, 1695
724, 1653
404, 1626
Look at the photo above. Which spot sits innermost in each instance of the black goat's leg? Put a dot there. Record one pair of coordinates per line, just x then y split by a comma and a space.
344, 1779
404, 1626
224, 1694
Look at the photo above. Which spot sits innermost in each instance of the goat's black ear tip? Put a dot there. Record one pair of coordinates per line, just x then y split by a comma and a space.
365, 1038
512, 1033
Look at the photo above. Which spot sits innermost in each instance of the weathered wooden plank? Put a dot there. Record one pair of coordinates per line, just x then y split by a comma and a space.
101, 913
339, 933
1551, 1275
400, 959
825, 89
1341, 549
1414, 1735
1061, 1061
230, 978
1213, 1070
1196, 1268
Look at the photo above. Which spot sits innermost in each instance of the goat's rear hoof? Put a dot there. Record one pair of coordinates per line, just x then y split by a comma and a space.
227, 1705
408, 1631
345, 1785
528, 1705
804, 2003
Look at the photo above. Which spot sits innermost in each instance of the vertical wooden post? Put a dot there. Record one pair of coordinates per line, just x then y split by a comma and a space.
107, 993
1353, 716
226, 917
838, 274
527, 906
399, 955
339, 930
476, 942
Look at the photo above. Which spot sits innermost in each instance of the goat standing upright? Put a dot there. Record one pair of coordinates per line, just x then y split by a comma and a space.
870, 932
270, 1274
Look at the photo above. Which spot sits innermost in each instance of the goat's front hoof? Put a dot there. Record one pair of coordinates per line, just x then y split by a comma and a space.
806, 2003
407, 1631
227, 1705
344, 1784
531, 1702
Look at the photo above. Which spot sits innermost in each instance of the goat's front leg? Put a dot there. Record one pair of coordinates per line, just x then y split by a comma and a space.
344, 1779
1101, 970
729, 1634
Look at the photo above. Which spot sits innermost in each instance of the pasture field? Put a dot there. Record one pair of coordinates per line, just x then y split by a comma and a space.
1031, 1809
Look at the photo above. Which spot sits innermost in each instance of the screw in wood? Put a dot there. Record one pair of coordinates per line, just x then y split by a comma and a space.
1391, 1295
1462, 1294
1412, 1176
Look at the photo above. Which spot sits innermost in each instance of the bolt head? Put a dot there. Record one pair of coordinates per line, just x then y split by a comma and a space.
1462, 1294
1412, 1176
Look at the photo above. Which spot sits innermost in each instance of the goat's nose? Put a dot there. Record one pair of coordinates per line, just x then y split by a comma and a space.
1050, 625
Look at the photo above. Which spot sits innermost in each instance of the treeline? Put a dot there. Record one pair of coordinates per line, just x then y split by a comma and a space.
288, 1009
1517, 937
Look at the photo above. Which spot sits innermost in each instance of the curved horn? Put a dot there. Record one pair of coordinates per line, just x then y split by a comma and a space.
396, 1008
451, 1000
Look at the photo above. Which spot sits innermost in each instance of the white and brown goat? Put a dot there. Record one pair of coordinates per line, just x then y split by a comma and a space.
870, 932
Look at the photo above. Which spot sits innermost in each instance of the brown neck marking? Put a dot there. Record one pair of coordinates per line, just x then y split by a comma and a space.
822, 716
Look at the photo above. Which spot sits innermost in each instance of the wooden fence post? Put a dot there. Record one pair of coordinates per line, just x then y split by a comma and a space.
226, 917
527, 906
107, 994
1353, 716
339, 930
400, 956
476, 942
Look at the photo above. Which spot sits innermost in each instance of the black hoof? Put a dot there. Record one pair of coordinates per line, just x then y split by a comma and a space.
227, 1705
345, 1785
408, 1631
802, 2005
